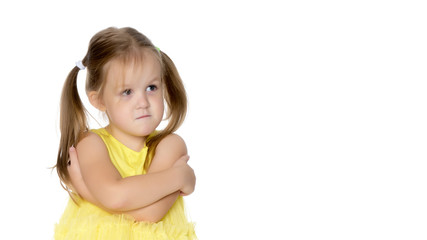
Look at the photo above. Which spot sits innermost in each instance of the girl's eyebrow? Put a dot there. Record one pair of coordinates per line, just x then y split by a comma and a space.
155, 79
121, 85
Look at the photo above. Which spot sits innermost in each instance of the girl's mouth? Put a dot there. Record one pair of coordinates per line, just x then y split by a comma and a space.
143, 116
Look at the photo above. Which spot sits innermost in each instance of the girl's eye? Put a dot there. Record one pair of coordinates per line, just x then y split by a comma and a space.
152, 88
127, 92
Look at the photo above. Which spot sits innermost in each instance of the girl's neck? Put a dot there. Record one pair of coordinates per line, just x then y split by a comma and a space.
135, 143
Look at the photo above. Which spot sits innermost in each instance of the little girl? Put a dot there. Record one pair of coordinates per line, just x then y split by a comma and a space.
131, 176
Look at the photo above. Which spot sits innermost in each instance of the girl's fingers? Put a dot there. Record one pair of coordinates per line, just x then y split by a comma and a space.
182, 160
73, 157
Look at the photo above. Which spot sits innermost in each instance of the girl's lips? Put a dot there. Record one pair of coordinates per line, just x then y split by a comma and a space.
143, 116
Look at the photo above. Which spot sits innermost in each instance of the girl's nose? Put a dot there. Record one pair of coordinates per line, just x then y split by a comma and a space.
143, 101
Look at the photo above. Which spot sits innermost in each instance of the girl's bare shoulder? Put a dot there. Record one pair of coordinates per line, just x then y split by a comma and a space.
169, 150
91, 143
172, 143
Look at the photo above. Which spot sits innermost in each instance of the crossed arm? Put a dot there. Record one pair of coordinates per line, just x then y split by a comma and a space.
145, 197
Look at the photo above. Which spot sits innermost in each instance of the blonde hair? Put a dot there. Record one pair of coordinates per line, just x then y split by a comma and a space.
105, 46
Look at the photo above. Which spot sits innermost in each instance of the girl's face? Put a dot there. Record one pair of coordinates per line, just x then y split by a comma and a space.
133, 99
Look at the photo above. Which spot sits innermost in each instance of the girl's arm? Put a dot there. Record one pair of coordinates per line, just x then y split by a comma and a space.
117, 194
167, 155
171, 152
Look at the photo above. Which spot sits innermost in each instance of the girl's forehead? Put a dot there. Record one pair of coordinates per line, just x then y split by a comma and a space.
123, 71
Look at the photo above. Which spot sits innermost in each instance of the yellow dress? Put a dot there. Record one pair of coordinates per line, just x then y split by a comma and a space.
88, 221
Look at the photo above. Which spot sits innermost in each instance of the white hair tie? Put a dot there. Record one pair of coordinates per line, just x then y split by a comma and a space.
80, 65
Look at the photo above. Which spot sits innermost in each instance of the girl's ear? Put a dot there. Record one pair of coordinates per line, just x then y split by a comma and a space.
96, 101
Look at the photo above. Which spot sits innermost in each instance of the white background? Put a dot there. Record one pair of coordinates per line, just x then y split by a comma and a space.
307, 119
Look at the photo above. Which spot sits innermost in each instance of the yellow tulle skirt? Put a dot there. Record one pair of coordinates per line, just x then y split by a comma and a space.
88, 221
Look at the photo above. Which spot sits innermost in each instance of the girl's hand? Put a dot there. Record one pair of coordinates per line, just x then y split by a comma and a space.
182, 161
189, 178
77, 183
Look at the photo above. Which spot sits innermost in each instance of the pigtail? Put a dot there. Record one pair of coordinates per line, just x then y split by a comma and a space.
72, 124
176, 100
176, 97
